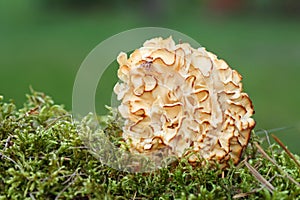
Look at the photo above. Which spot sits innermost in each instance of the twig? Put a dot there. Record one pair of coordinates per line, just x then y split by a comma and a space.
8, 158
259, 177
79, 147
7, 143
244, 194
273, 130
31, 196
56, 119
286, 150
70, 177
64, 176
66, 187
267, 136
134, 196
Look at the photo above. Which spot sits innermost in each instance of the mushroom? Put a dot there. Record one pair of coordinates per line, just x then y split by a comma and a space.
184, 99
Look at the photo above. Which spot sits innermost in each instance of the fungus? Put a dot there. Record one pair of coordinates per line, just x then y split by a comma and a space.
183, 99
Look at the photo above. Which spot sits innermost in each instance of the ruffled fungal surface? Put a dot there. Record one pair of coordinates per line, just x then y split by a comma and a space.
184, 100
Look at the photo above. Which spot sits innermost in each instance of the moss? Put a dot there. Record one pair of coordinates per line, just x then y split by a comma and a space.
43, 157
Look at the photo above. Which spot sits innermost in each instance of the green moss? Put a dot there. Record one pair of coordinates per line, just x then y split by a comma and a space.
43, 157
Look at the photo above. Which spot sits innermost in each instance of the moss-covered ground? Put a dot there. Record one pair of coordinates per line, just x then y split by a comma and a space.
42, 156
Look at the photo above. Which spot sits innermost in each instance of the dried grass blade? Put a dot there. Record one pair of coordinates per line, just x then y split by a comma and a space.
260, 149
273, 161
286, 150
259, 177
242, 195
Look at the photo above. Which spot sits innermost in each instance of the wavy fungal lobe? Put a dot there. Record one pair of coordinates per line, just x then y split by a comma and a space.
184, 101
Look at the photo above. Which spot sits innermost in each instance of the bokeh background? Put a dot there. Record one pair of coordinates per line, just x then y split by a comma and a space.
43, 42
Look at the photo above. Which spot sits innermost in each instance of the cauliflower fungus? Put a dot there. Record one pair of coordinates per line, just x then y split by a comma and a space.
183, 100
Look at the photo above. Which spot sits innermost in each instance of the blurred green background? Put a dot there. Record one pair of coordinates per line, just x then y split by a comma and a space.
43, 42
